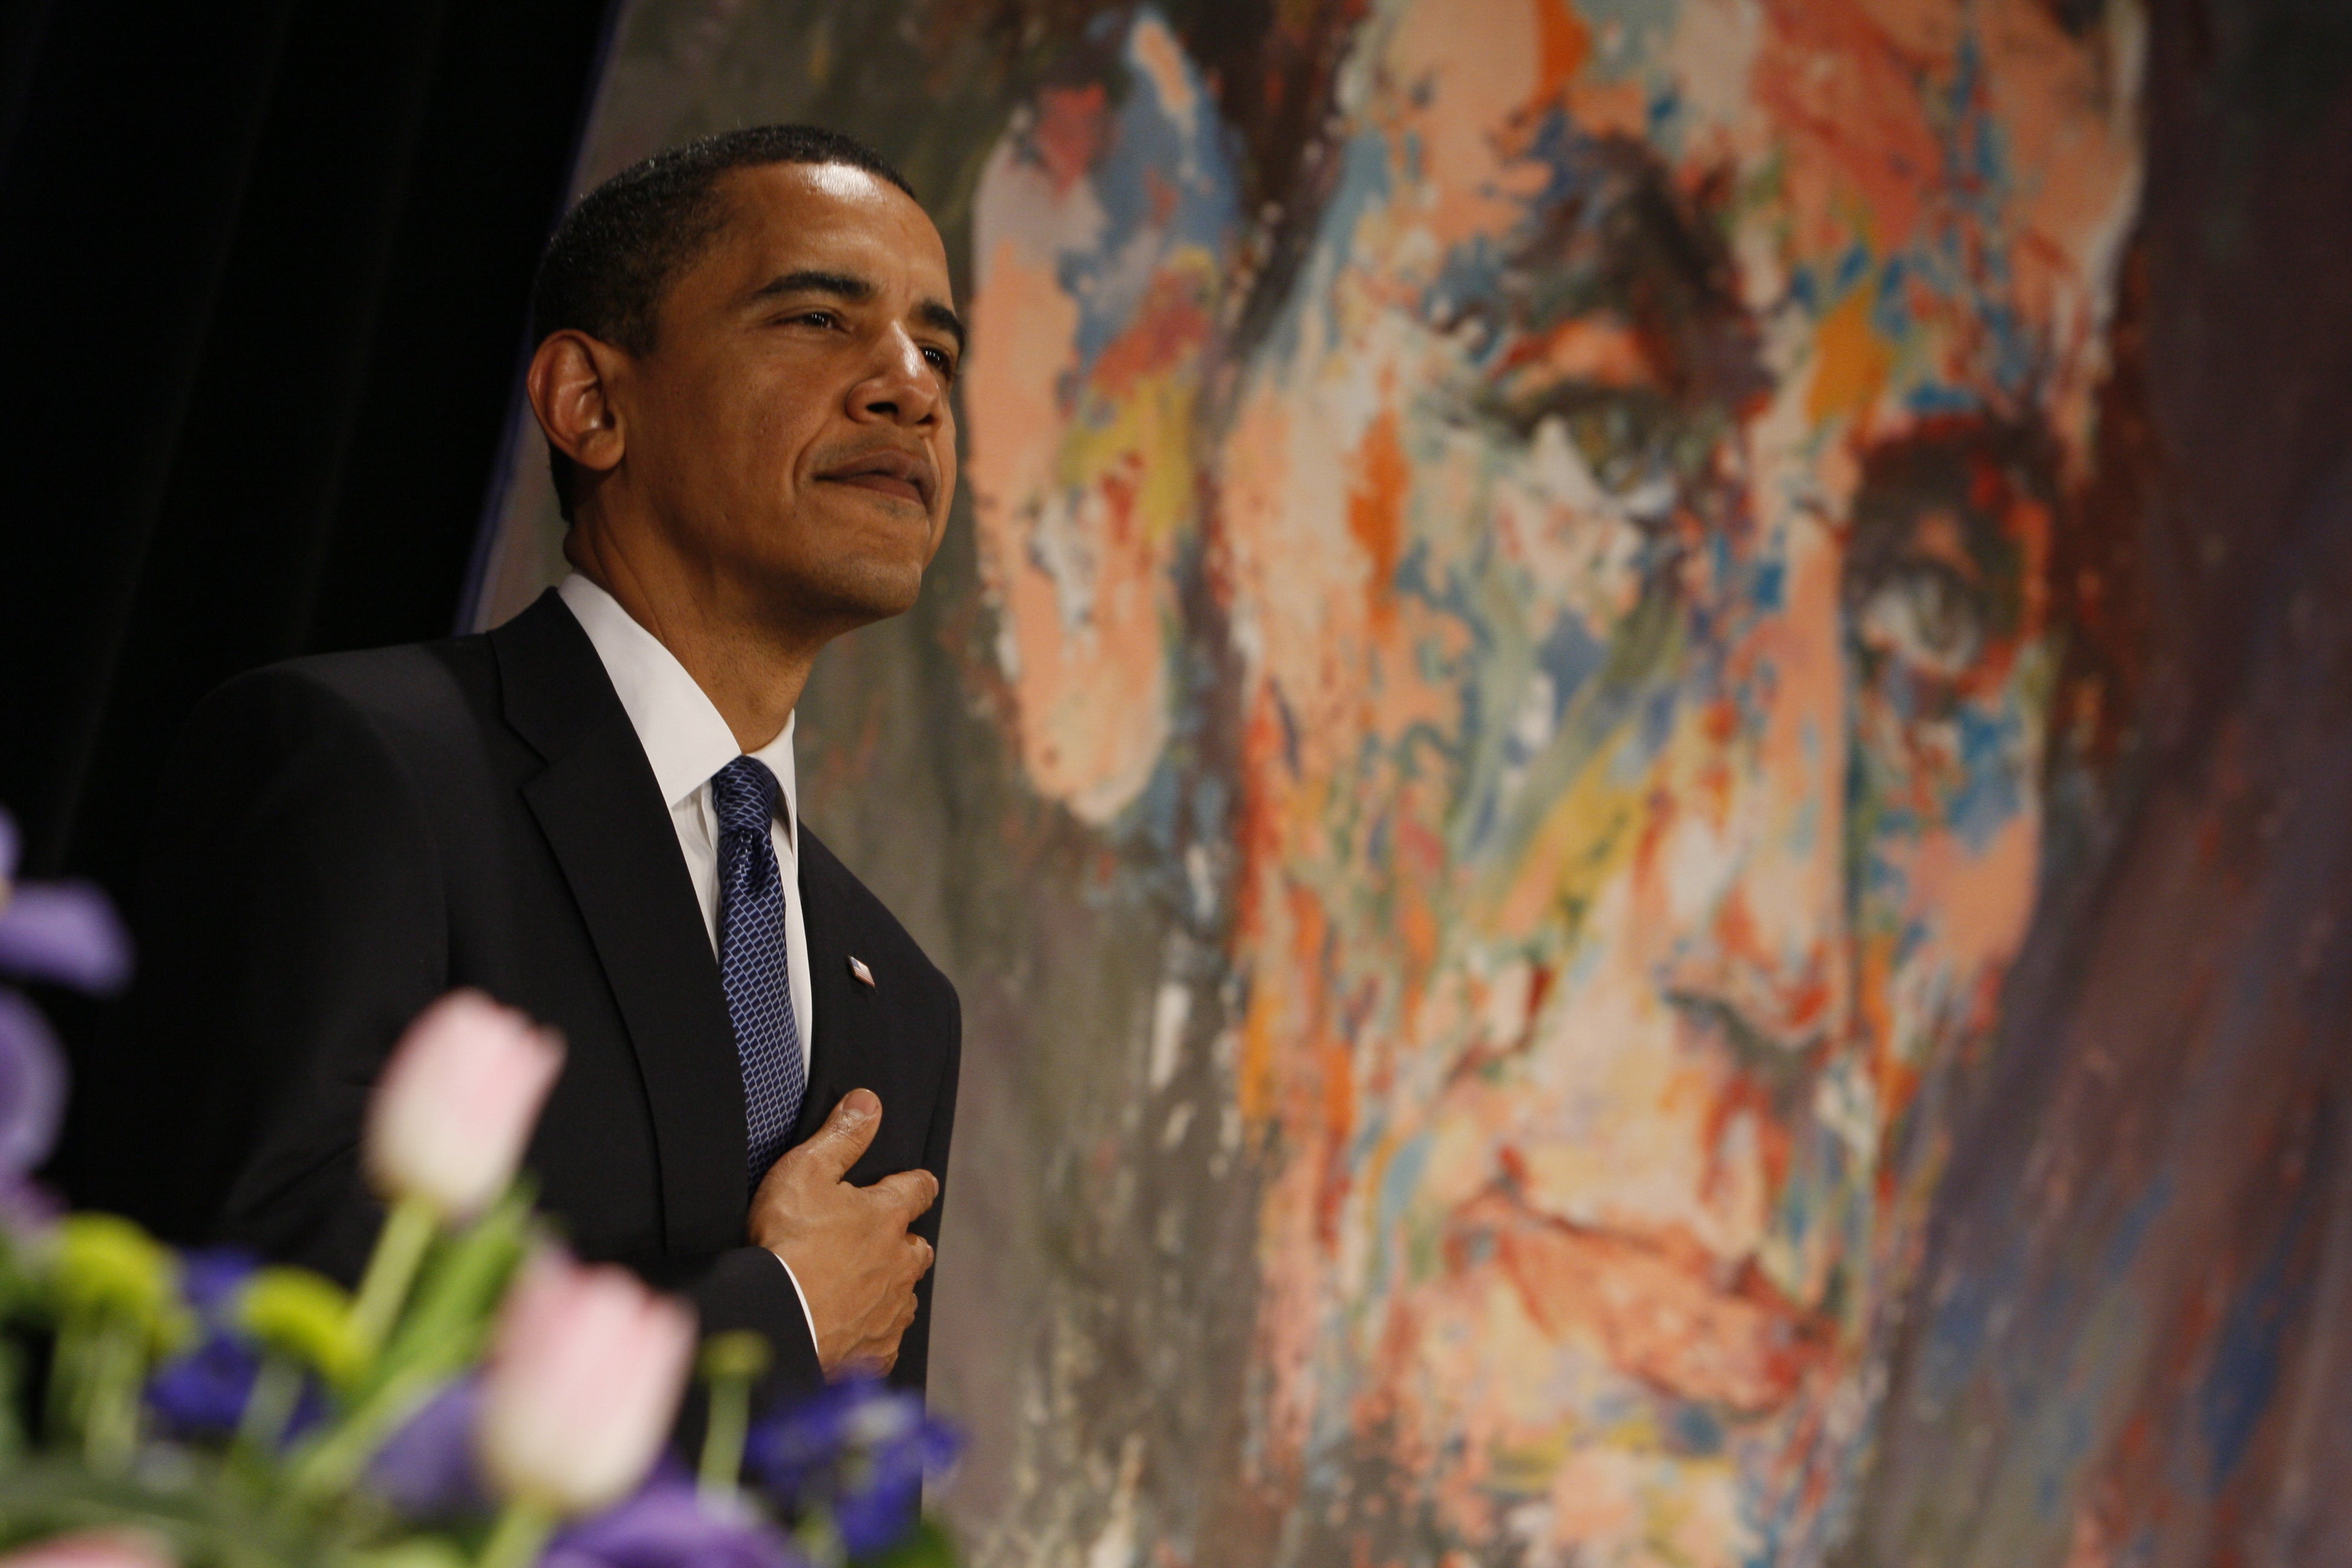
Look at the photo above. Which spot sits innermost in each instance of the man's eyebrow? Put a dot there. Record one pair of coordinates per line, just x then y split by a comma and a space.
840, 285
933, 313
936, 315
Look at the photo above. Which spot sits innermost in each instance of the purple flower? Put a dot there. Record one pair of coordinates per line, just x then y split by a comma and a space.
60, 931
202, 1393
32, 1088
64, 932
667, 1525
427, 1470
211, 1278
859, 1450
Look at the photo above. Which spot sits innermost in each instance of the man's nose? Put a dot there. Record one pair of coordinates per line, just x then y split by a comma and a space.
900, 386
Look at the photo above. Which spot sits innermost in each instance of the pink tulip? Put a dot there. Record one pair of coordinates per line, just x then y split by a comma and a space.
92, 1548
448, 1118
585, 1370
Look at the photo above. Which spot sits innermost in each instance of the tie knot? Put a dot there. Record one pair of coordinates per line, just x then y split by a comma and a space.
743, 797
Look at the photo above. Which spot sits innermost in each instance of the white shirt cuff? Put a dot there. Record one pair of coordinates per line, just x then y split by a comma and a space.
807, 1316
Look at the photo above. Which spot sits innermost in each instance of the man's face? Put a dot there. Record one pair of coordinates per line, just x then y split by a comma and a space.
1634, 526
790, 428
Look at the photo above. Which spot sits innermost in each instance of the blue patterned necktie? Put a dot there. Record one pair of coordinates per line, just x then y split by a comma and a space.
752, 958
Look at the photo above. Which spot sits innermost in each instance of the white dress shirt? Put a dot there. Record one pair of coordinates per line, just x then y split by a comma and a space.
687, 741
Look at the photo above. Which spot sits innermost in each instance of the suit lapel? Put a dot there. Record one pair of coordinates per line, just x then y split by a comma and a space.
603, 816
841, 1046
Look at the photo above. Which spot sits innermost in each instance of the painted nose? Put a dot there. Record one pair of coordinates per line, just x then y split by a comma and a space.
1767, 960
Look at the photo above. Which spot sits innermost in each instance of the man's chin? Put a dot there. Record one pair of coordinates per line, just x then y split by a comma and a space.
860, 559
852, 594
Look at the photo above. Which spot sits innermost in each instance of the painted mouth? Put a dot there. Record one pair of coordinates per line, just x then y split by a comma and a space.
1661, 1307
900, 475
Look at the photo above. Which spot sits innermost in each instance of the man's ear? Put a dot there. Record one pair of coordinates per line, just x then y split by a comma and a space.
571, 387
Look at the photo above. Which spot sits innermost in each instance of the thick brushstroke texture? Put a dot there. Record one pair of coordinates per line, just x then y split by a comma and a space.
1636, 767
2129, 1341
1595, 1038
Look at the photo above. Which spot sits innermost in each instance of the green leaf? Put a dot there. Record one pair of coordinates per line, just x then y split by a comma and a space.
20, 1285
450, 1313
418, 1552
206, 1515
440, 1333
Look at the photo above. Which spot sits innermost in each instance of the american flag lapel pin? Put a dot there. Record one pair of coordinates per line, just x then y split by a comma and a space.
864, 975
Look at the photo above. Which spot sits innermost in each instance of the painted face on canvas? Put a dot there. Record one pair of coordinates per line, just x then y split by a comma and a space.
1629, 513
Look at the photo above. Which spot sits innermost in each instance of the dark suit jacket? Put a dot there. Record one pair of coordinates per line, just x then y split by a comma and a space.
340, 840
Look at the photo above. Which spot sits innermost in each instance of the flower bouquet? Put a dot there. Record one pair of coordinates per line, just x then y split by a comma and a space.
481, 1399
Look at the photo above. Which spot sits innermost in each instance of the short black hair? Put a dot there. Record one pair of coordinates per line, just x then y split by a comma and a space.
622, 244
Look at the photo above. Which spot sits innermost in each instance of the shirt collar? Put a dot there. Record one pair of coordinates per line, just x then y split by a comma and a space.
685, 738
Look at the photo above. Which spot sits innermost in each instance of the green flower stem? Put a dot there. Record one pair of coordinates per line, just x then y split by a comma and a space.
522, 1533
399, 1248
277, 1389
336, 1460
722, 1439
819, 1541
13, 1441
732, 1362
111, 1407
69, 1368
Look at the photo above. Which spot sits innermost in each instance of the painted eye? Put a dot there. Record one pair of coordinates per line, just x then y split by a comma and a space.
1924, 614
1639, 446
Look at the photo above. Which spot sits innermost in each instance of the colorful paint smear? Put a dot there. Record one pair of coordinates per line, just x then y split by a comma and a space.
1632, 522
1549, 669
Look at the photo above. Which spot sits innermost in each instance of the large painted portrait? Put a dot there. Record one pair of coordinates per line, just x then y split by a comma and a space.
1533, 757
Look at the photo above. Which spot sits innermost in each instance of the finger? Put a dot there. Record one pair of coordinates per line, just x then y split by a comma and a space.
845, 1136
909, 1193
922, 1254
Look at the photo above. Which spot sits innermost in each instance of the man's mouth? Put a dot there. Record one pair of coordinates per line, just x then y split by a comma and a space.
903, 476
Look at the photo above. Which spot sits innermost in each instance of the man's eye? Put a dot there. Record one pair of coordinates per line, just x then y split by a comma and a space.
816, 319
941, 361
1924, 614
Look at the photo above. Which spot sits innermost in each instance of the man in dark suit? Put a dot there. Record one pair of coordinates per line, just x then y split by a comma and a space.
746, 348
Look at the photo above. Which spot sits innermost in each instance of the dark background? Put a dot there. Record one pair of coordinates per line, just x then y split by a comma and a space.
263, 270
262, 273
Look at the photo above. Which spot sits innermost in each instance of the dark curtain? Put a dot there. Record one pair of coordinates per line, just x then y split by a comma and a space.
263, 272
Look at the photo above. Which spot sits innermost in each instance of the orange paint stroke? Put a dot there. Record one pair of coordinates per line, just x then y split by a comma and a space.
1376, 510
1167, 331
1854, 362
1562, 42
